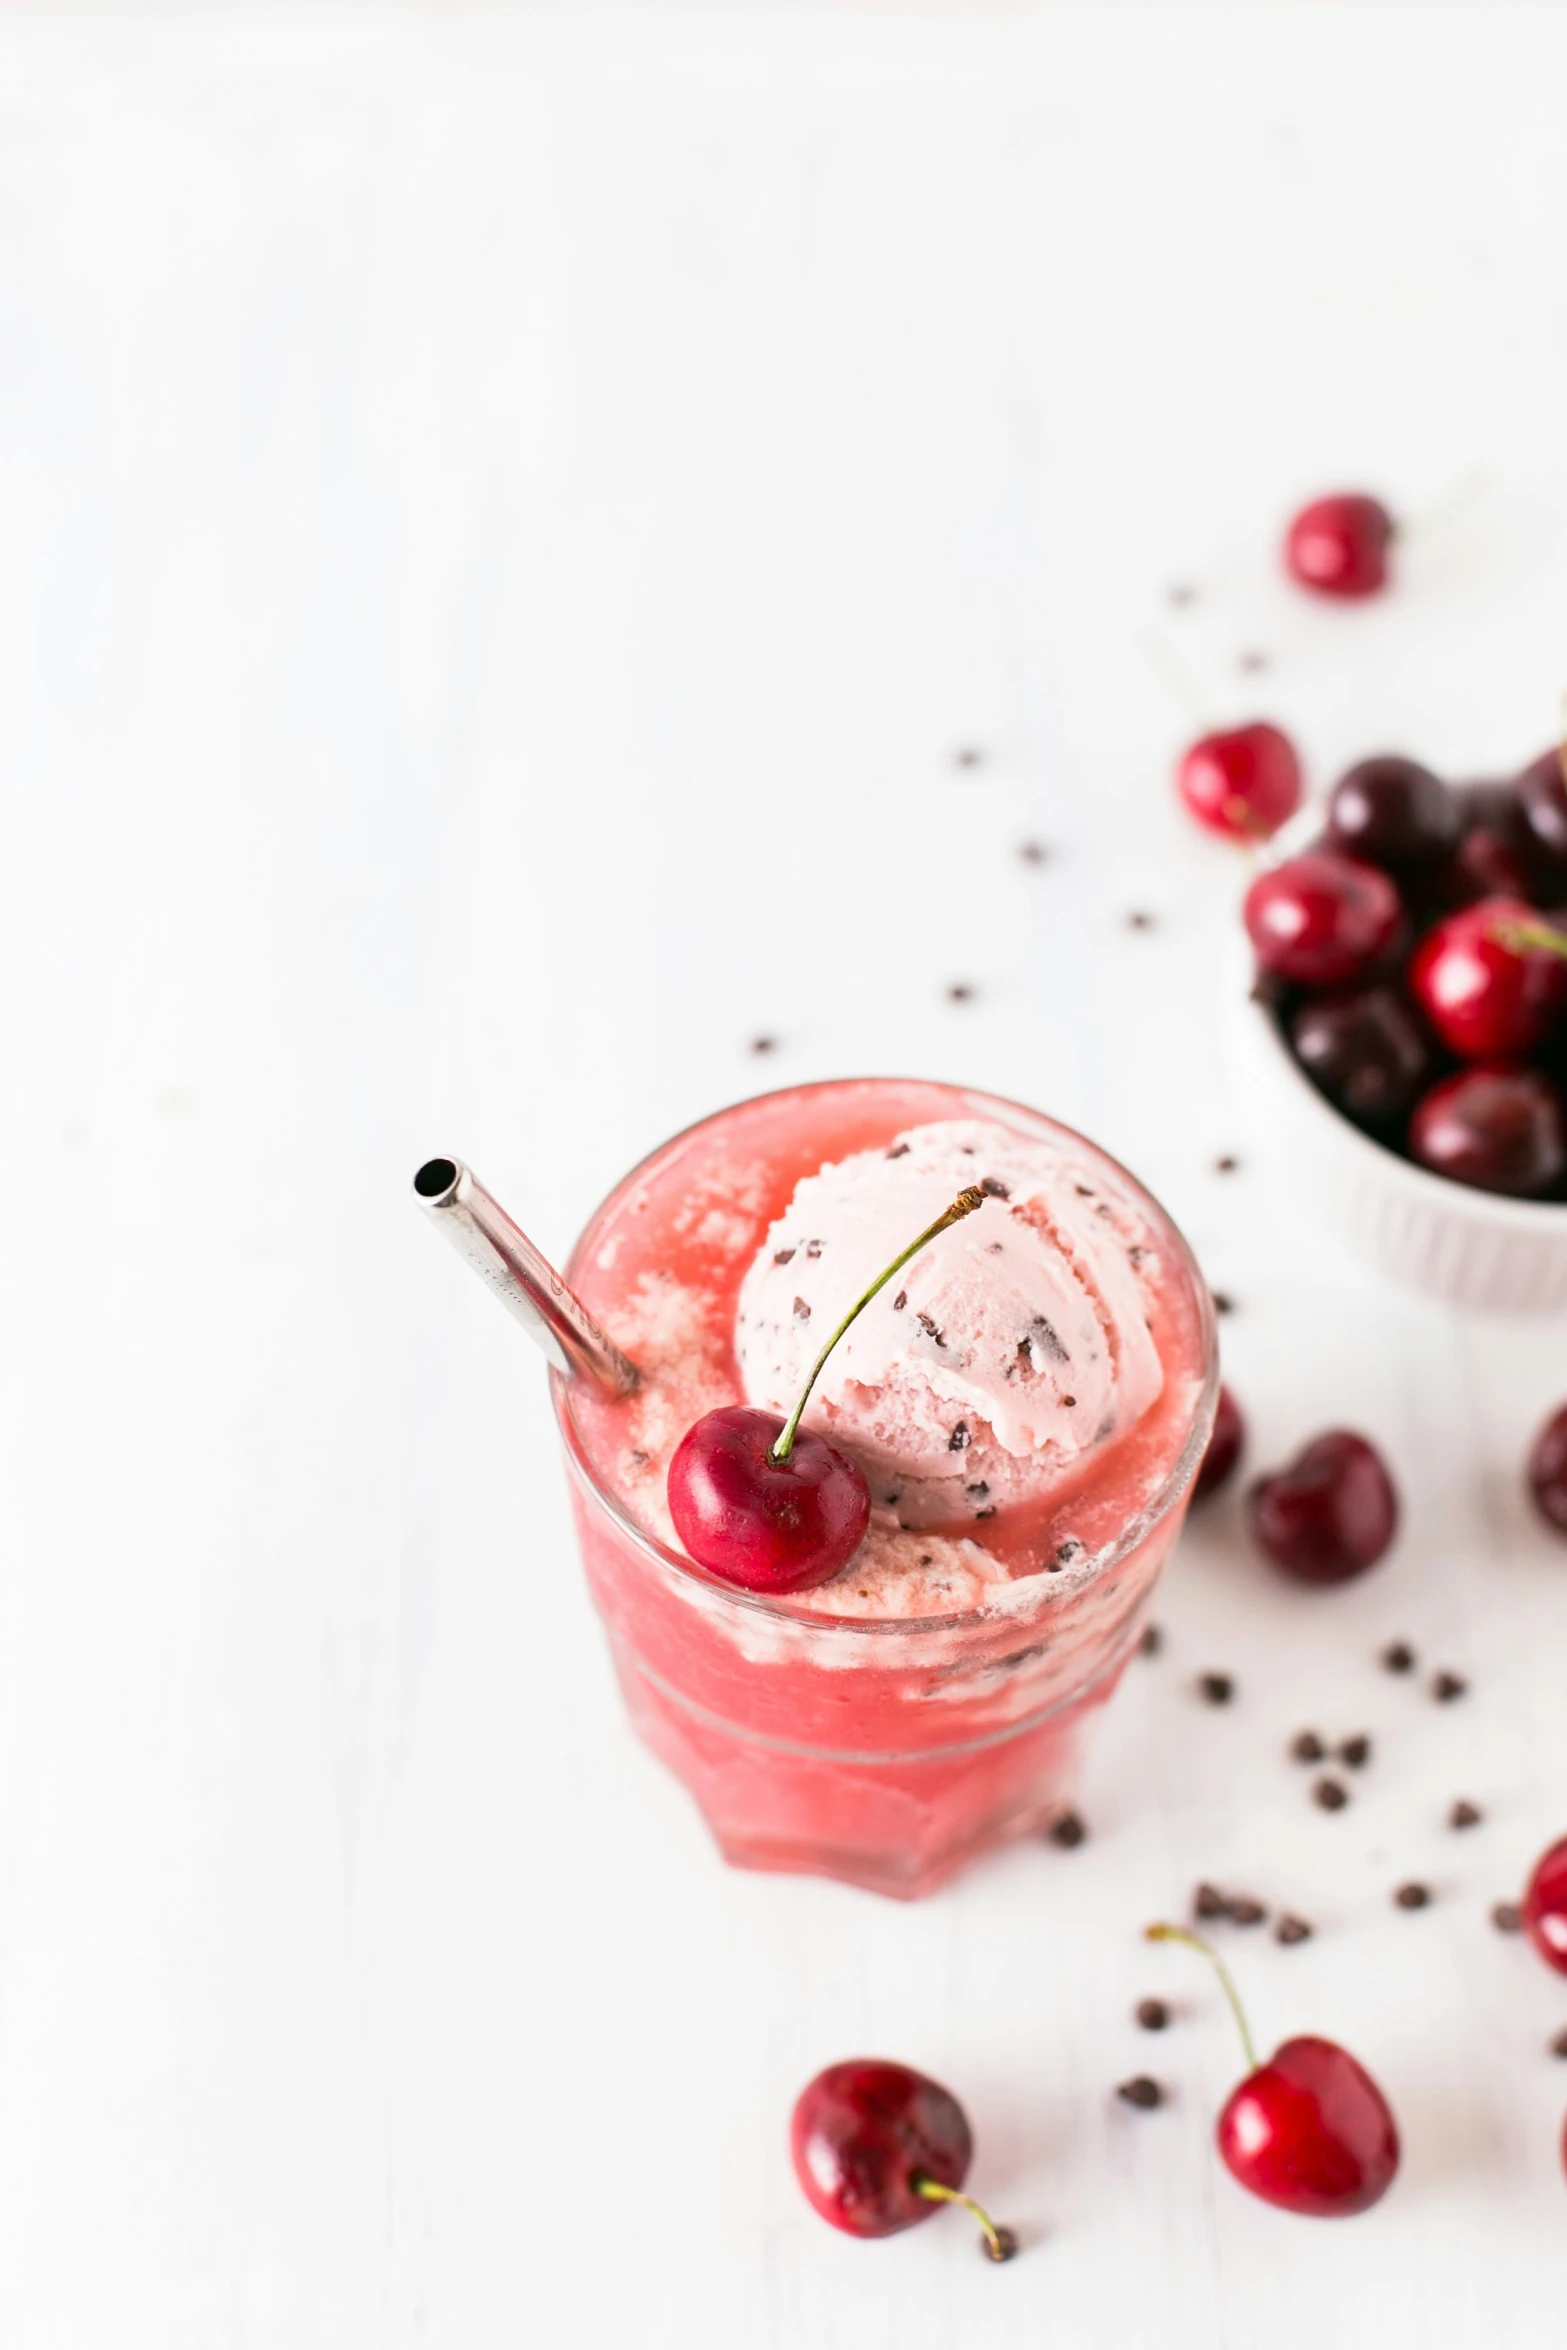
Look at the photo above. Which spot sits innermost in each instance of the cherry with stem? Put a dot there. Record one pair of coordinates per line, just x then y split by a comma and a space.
1309, 2130
766, 1504
878, 2147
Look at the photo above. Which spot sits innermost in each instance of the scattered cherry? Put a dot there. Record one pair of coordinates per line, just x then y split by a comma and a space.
1548, 1470
1330, 1513
1244, 782
1321, 918
1496, 1128
1545, 1907
1394, 813
1338, 546
770, 1506
1224, 1447
1309, 2131
877, 2147
1367, 1049
1488, 995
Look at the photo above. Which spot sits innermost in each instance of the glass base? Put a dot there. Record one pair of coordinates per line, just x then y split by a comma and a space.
899, 1828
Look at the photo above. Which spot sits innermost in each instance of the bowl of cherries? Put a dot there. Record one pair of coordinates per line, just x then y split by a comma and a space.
1407, 1037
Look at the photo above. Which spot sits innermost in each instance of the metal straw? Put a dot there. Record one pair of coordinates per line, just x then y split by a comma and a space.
503, 1256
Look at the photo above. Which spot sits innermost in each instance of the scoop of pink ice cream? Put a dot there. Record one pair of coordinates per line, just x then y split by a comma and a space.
1009, 1350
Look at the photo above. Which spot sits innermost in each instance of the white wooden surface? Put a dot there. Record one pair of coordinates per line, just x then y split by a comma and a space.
504, 523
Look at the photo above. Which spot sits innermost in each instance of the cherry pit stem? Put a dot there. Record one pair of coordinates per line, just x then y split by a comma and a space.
964, 1205
1196, 1942
1000, 2243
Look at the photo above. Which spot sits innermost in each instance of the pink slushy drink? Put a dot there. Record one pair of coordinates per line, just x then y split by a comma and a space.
1029, 1403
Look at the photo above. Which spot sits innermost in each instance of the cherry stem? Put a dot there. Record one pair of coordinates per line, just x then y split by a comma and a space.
1000, 2243
1196, 1942
1525, 935
964, 1205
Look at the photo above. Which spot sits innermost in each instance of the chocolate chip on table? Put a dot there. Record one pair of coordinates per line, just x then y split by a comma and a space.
1244, 1911
1330, 1794
764, 1044
1307, 1747
1291, 1929
1152, 1641
1413, 1896
1226, 1165
1215, 1688
1222, 1303
968, 755
1465, 1814
1446, 1686
960, 992
1138, 919
1397, 1657
1355, 1751
1209, 1902
1141, 2092
1069, 1831
1507, 1917
1558, 2046
1033, 852
1152, 2014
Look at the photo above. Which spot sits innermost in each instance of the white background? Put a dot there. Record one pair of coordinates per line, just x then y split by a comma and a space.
504, 523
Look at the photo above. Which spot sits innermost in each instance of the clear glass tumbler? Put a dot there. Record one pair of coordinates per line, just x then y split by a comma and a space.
886, 1752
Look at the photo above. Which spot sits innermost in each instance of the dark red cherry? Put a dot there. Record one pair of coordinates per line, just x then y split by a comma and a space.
1244, 782
1311, 2132
1367, 1049
1542, 796
1545, 1907
1484, 865
1487, 997
1330, 1513
878, 2147
1496, 1128
767, 1525
1499, 855
1548, 1471
1339, 546
1394, 813
1320, 918
1224, 1447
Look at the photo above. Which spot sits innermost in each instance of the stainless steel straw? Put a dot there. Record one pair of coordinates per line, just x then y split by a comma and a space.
503, 1256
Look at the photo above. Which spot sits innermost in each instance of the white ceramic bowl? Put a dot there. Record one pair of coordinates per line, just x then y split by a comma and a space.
1475, 1248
